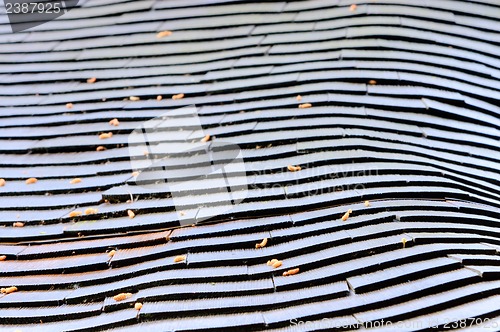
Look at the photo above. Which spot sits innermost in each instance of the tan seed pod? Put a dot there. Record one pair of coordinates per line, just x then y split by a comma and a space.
91, 80
2, 182
292, 168
159, 97
277, 264
205, 139
262, 244
105, 135
353, 7
69, 105
100, 148
73, 214
162, 34
75, 181
138, 306
31, 181
90, 211
179, 258
134, 98
178, 96
122, 296
271, 262
306, 105
9, 290
291, 272
18, 224
114, 122
131, 214
372, 82
112, 253
367, 203
299, 97
2, 258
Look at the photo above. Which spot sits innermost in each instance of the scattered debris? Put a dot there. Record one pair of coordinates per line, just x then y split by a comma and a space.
271, 262
8, 290
205, 139
91, 80
138, 306
131, 214
75, 181
18, 224
291, 272
73, 214
306, 105
90, 211
179, 258
122, 296
162, 34
114, 122
346, 215
105, 135
262, 244
353, 7
159, 97
134, 98
367, 203
31, 180
2, 182
100, 148
69, 105
299, 97
372, 82
178, 96
3, 257
292, 168
277, 264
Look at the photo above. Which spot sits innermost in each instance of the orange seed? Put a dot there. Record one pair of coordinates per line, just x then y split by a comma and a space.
353, 7
179, 258
205, 139
75, 180
100, 148
31, 181
122, 296
306, 105
262, 244
178, 96
2, 182
105, 135
3, 257
90, 211
69, 105
291, 272
75, 214
8, 290
162, 34
138, 306
18, 224
131, 214
114, 122
91, 80
292, 168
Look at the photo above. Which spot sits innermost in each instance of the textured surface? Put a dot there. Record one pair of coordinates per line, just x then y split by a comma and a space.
404, 114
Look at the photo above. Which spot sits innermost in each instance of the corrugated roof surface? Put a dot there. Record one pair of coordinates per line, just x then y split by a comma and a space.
404, 114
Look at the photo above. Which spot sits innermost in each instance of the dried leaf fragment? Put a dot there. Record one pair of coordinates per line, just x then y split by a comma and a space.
306, 105
2, 182
205, 139
91, 80
131, 214
114, 122
179, 258
18, 224
31, 180
178, 96
262, 244
2, 258
73, 214
8, 290
138, 306
75, 181
105, 135
292, 168
162, 34
90, 211
291, 272
122, 296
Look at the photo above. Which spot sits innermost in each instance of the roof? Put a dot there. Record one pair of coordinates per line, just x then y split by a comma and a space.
402, 128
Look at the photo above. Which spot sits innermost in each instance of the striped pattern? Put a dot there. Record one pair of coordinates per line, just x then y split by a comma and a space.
404, 115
